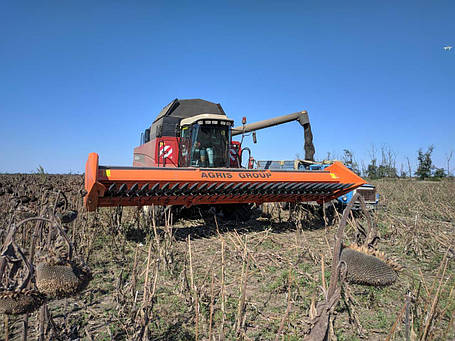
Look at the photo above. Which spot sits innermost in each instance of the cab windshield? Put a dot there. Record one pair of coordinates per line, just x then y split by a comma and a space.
205, 145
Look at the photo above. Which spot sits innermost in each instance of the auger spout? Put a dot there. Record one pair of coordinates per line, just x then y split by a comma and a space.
301, 117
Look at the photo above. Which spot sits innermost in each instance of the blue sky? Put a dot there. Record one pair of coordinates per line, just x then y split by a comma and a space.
89, 76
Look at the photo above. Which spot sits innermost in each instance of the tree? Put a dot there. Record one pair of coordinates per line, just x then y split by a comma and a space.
409, 167
425, 163
372, 170
40, 170
348, 160
386, 169
439, 173
449, 157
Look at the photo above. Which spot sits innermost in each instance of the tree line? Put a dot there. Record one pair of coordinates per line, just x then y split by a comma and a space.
384, 166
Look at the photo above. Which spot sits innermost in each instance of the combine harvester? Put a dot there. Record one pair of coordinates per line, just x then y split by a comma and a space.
187, 157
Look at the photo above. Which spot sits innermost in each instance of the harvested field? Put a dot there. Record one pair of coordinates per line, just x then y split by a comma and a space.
211, 278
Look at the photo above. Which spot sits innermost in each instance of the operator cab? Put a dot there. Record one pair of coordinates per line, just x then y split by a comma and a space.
205, 141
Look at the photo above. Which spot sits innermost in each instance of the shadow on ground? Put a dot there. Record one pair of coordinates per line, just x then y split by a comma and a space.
210, 226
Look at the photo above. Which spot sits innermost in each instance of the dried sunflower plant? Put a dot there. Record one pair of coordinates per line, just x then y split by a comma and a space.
37, 262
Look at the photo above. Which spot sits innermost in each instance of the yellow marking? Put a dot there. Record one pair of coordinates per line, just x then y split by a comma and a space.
108, 172
333, 176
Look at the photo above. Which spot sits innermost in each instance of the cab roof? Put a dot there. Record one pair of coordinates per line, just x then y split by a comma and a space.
184, 108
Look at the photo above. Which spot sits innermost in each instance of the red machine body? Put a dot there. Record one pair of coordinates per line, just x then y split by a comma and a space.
165, 152
159, 152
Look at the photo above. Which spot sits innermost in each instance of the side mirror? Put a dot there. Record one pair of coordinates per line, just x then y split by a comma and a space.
254, 137
147, 135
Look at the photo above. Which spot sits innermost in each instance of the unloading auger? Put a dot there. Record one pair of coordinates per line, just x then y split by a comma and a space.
187, 157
